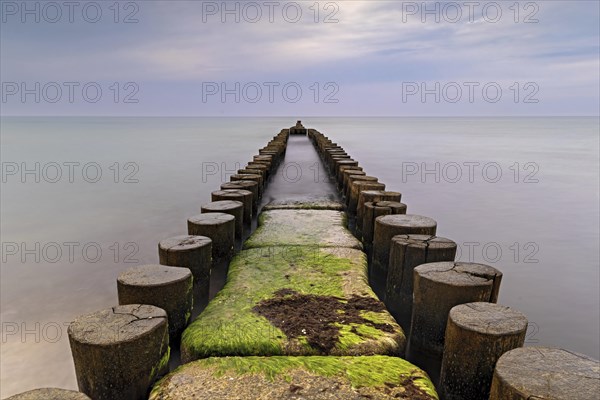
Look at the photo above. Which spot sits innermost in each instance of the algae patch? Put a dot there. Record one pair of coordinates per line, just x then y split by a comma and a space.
229, 326
319, 318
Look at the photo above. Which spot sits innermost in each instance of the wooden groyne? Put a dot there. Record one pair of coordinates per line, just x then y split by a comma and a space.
329, 298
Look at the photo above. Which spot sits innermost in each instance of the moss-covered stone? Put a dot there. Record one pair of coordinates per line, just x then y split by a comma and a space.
316, 377
299, 227
230, 326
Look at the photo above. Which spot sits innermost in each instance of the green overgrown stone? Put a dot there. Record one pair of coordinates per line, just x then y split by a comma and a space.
230, 327
315, 378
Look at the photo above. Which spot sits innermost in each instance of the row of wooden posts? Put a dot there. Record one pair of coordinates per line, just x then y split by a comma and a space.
448, 308
121, 351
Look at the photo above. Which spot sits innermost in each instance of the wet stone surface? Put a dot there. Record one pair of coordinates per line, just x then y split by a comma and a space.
302, 228
316, 204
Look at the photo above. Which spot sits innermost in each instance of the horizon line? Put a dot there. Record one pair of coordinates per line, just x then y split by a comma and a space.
304, 116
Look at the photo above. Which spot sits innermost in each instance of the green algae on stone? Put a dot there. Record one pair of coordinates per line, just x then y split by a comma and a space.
229, 325
163, 365
324, 228
315, 377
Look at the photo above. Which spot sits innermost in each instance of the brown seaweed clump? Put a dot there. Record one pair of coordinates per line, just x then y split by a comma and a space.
318, 318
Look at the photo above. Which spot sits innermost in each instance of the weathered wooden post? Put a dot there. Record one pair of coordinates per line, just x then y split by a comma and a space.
476, 336
406, 253
374, 210
220, 227
357, 187
249, 171
325, 145
245, 185
331, 152
255, 171
437, 288
339, 164
262, 167
372, 195
345, 175
169, 288
248, 177
355, 178
232, 207
386, 227
193, 252
328, 149
266, 160
244, 196
120, 352
337, 158
346, 170
275, 151
261, 158
529, 373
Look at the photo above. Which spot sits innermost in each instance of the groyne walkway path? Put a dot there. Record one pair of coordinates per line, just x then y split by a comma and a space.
299, 288
337, 293
301, 177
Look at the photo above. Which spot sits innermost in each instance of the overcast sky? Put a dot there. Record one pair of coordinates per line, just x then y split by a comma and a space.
353, 58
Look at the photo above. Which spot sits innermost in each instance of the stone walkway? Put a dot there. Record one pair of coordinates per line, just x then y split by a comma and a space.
297, 317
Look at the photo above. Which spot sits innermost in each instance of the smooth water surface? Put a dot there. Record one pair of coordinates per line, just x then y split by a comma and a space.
520, 194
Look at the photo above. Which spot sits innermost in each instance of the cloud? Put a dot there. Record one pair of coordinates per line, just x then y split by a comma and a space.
372, 42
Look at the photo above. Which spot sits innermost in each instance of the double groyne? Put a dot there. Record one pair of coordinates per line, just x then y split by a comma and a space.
340, 293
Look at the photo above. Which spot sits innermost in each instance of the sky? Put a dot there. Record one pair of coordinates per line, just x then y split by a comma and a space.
309, 58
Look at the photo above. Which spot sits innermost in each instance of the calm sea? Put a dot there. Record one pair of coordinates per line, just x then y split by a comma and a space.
84, 198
